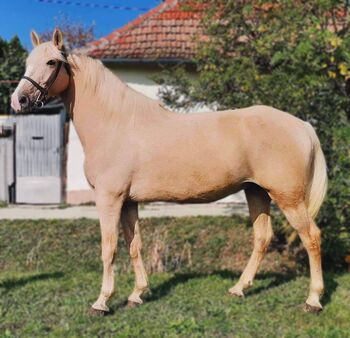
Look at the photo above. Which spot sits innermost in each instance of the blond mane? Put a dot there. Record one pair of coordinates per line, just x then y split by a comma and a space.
105, 86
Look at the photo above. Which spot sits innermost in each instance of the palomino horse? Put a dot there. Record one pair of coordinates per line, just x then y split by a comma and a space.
137, 151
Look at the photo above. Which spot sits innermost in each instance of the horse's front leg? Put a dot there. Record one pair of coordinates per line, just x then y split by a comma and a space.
109, 208
130, 224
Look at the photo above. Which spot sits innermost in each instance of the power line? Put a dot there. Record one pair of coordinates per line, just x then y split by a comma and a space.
94, 5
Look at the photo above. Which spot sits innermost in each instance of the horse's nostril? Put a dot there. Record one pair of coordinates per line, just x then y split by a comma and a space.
24, 101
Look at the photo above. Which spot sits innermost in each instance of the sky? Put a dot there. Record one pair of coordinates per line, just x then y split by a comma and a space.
19, 17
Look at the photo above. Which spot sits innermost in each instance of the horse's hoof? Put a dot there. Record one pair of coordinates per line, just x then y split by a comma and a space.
236, 293
312, 309
97, 313
131, 304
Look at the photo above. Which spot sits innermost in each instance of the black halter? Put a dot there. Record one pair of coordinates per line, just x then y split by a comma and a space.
44, 92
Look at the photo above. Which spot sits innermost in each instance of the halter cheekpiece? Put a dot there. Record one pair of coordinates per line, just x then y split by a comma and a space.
44, 91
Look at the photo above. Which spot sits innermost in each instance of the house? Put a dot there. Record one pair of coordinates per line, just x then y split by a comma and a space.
165, 36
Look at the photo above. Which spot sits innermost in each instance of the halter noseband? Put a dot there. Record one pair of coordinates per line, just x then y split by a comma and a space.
44, 92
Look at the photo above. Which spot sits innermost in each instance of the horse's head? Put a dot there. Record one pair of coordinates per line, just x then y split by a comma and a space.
47, 74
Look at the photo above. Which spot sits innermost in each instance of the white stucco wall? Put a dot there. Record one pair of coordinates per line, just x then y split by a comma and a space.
75, 163
138, 78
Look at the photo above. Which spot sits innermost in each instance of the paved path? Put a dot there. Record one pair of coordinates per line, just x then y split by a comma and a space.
149, 210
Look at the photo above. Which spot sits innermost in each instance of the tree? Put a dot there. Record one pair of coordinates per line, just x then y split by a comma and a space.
76, 34
295, 56
12, 66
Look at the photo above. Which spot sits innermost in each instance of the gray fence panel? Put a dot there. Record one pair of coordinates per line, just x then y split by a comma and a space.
39, 140
38, 145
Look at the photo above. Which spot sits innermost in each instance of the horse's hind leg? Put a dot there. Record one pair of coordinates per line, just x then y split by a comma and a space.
130, 224
310, 235
259, 209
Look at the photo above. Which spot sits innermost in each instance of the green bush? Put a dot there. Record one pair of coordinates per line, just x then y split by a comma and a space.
292, 55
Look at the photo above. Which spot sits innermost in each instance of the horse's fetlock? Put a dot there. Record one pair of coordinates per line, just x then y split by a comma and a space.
107, 293
247, 284
142, 287
318, 289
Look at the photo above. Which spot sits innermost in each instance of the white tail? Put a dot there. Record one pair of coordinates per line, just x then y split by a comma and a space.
318, 185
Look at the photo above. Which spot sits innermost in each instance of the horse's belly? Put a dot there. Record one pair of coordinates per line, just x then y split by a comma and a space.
195, 187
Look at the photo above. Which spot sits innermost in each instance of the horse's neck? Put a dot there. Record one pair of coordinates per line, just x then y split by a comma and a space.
99, 102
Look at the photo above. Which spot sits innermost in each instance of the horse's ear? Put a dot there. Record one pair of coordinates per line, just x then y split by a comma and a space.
57, 38
35, 38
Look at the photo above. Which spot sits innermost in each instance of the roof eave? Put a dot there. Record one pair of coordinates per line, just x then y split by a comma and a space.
158, 61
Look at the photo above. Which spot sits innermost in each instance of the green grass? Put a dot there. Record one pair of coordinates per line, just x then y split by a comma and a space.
3, 204
51, 273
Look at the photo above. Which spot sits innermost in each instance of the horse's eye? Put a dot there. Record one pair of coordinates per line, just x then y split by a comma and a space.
51, 62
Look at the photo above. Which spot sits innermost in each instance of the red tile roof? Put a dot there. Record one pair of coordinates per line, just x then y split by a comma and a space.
167, 32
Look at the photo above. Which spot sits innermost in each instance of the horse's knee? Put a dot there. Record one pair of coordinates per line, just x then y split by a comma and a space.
107, 255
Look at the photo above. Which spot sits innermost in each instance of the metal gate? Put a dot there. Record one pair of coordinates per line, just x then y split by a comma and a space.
39, 140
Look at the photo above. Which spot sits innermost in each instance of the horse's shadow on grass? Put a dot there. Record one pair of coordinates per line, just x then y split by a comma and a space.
330, 286
12, 283
165, 288
275, 278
